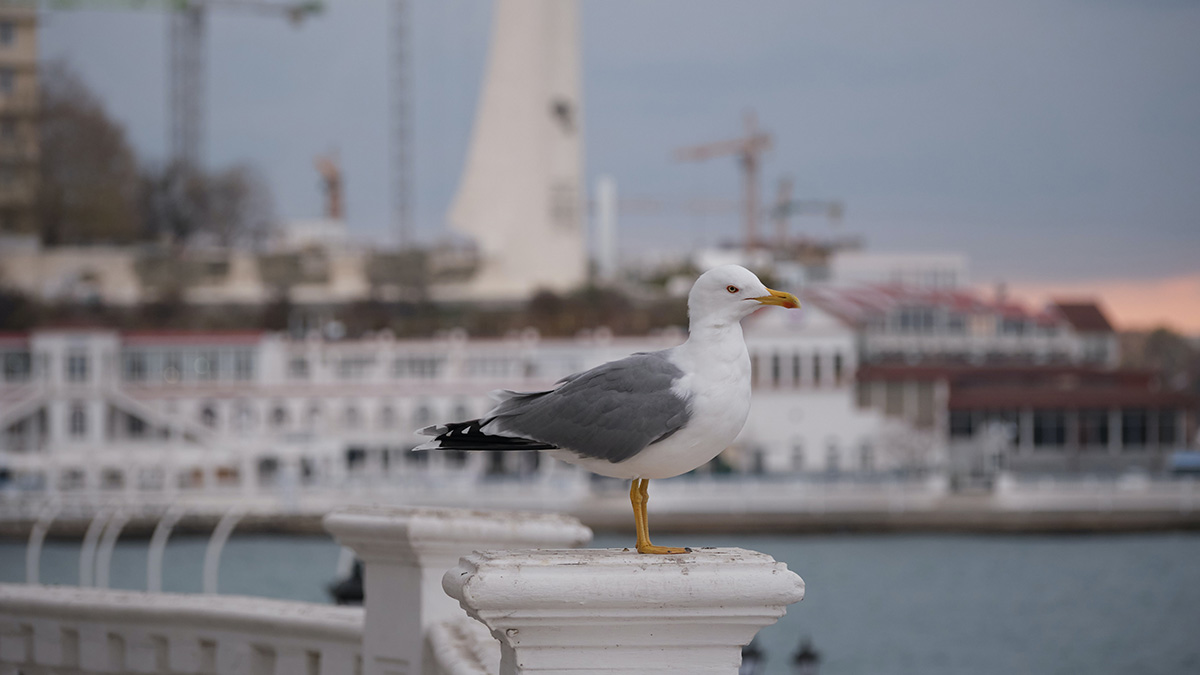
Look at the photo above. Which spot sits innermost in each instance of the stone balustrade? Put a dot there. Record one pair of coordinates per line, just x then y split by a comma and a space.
56, 629
614, 611
405, 551
543, 607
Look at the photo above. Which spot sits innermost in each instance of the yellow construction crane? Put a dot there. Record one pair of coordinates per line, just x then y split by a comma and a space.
749, 149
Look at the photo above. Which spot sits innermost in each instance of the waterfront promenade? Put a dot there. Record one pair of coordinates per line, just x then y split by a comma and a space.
710, 504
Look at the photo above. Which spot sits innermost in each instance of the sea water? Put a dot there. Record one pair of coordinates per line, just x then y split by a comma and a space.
874, 604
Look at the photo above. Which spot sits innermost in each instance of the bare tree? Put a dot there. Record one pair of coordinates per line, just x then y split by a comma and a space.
227, 208
88, 178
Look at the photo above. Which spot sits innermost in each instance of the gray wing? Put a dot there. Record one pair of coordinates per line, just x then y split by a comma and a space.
610, 412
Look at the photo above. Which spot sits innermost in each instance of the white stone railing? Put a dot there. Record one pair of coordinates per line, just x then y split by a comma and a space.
405, 552
614, 611
47, 629
542, 610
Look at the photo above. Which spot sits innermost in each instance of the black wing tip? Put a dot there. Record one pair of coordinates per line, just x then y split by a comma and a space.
470, 436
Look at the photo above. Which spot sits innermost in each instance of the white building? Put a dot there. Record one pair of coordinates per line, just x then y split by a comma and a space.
171, 411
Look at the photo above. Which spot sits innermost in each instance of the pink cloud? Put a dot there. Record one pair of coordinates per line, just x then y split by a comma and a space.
1130, 305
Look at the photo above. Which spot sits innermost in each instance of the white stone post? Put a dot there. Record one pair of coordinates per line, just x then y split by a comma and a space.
405, 552
614, 611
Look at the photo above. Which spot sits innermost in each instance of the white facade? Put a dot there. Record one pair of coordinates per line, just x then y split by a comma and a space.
166, 412
804, 418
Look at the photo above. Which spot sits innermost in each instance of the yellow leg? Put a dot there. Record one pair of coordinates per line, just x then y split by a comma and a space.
638, 496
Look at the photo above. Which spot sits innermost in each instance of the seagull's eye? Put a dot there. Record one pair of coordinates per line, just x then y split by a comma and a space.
732, 289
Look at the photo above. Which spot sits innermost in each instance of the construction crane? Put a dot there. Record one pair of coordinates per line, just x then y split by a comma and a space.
185, 103
186, 28
749, 149
401, 127
786, 207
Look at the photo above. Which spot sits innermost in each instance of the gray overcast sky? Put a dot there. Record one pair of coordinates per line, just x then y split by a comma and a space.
1051, 140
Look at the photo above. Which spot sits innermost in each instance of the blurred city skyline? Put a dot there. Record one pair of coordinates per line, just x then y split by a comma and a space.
1055, 143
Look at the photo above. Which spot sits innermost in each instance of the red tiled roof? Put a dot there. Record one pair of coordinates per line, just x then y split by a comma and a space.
1084, 317
14, 339
190, 337
857, 304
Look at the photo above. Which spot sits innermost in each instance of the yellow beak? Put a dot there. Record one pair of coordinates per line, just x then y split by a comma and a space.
780, 298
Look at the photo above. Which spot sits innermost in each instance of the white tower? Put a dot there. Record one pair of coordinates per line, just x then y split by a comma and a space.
520, 197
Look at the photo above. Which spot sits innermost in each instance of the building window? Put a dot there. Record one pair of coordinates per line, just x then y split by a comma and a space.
421, 367
1093, 429
279, 417
893, 398
355, 367
1049, 428
298, 369
816, 371
916, 320
866, 457
961, 424
17, 366
422, 416
77, 367
8, 81
837, 368
1012, 326
796, 370
387, 417
8, 129
776, 370
1133, 427
1168, 426
832, 457
243, 365
797, 455
350, 417
135, 426
172, 367
78, 421
862, 393
8, 33
135, 367
206, 366
956, 323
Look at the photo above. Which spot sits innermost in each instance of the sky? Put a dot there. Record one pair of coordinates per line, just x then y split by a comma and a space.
1055, 142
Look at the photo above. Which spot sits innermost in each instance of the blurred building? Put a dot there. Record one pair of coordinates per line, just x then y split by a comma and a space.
18, 118
913, 323
105, 410
165, 411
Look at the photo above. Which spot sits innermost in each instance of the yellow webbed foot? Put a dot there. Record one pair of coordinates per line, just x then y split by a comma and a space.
661, 550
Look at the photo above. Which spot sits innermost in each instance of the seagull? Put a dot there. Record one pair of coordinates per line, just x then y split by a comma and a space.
649, 415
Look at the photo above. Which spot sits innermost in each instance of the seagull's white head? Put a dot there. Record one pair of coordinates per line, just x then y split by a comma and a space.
726, 294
